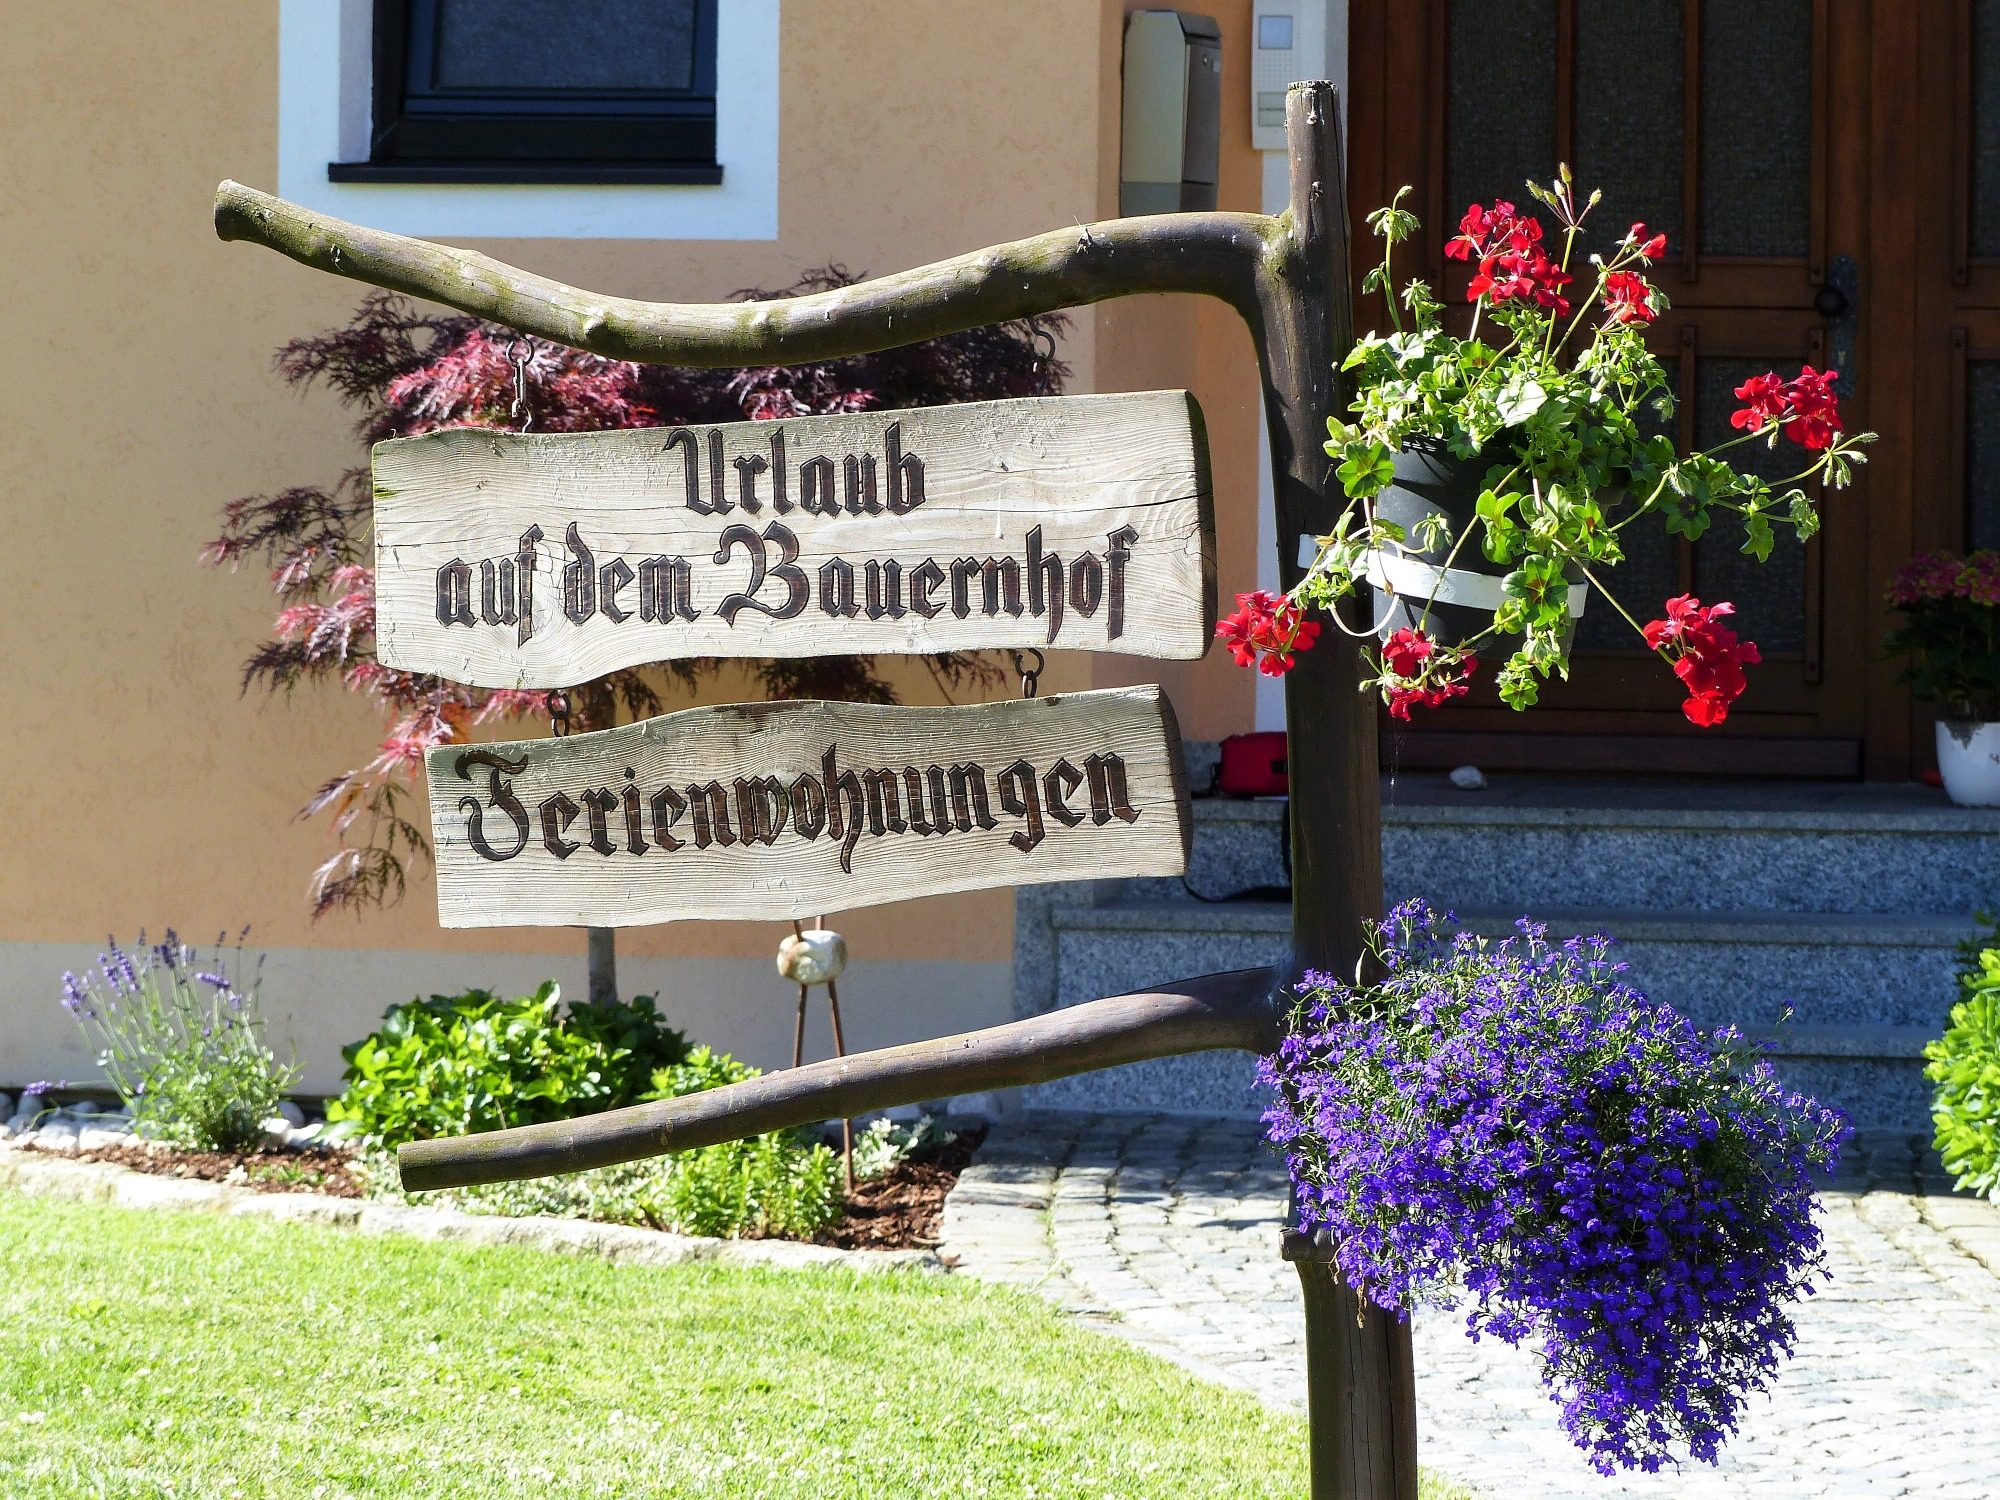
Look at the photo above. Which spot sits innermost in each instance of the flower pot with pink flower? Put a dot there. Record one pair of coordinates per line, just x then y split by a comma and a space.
1491, 478
1951, 611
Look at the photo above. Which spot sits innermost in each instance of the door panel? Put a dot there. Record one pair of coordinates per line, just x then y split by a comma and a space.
1714, 122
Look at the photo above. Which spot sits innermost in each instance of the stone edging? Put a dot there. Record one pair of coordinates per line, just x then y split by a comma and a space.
34, 1175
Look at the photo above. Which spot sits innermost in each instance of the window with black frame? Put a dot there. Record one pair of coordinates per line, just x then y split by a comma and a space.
542, 91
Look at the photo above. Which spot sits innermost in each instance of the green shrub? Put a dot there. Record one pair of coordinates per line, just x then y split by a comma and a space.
784, 1183
1964, 1065
454, 1064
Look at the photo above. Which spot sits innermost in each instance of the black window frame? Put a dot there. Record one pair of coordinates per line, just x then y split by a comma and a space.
424, 133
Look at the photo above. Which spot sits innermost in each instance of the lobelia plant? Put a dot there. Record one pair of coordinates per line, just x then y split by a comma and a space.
1629, 1199
181, 1041
1951, 611
1547, 405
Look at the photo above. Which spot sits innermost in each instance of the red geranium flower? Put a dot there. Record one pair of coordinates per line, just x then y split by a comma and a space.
1814, 415
1406, 683
1528, 274
1649, 248
1764, 401
1706, 656
1266, 631
1627, 298
1806, 407
1485, 231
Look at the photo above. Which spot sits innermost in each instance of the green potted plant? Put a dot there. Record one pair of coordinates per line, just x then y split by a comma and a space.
1489, 476
1951, 631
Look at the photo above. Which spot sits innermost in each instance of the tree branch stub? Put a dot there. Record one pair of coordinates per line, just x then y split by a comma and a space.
1209, 254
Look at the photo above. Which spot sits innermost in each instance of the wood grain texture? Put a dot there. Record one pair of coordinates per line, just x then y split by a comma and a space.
544, 560
779, 810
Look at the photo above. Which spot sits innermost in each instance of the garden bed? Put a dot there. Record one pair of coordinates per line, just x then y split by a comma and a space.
900, 1210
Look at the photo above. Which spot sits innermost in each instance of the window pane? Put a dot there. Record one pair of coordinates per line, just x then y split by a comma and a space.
1770, 597
567, 45
1651, 570
1756, 128
1500, 127
1629, 94
1986, 127
1982, 453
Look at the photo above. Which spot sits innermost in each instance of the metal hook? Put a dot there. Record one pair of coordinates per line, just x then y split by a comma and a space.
1045, 351
521, 349
1031, 677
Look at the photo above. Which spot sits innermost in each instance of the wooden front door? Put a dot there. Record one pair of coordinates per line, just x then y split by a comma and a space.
1747, 133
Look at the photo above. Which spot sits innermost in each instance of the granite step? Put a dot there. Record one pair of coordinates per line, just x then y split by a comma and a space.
1846, 1000
1541, 846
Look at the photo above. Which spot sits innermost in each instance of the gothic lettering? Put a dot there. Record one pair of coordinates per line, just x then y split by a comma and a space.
844, 805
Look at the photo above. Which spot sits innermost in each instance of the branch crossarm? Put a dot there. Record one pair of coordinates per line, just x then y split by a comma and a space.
1240, 1010
1219, 255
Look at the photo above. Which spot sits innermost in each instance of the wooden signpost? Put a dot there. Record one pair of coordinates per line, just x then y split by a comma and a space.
636, 500
781, 810
514, 560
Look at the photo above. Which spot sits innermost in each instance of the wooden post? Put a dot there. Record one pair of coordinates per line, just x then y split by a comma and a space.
1361, 1392
603, 965
1288, 279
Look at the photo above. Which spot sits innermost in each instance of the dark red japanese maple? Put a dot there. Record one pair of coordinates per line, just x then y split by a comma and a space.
408, 372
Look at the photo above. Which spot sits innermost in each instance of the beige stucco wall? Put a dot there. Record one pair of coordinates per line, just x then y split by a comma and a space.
141, 787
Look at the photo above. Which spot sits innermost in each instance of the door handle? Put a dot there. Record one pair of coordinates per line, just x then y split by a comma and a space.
1836, 302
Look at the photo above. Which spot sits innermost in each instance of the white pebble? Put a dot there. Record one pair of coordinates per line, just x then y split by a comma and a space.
292, 1114
1468, 778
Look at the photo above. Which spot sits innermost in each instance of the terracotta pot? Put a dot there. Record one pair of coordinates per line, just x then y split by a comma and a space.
1411, 582
1968, 754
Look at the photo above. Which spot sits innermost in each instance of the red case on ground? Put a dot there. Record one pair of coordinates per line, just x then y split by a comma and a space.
1253, 765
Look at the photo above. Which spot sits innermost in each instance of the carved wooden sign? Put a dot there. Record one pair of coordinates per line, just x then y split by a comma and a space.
786, 809
544, 560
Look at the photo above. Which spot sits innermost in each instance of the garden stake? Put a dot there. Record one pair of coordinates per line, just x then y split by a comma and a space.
1287, 277
812, 958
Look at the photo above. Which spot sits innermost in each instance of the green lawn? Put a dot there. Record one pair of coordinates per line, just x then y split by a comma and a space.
151, 1353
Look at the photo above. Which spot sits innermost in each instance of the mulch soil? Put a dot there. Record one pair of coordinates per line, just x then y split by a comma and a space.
316, 1169
901, 1210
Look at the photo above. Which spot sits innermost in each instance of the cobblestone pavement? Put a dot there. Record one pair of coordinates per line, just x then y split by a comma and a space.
1164, 1230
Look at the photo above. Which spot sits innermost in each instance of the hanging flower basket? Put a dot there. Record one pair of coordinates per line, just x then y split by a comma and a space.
1490, 476
1446, 595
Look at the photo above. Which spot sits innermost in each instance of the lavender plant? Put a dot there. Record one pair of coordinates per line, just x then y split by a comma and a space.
181, 1040
1626, 1196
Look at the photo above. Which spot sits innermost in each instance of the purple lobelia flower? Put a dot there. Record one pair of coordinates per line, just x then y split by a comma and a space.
1631, 1199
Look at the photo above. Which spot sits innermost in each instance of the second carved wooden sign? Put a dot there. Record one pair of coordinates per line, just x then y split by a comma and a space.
787, 809
544, 560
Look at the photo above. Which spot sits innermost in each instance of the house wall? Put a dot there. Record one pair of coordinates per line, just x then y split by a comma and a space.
144, 789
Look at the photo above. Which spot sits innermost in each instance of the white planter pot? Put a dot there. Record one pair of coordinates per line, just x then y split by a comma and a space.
1968, 756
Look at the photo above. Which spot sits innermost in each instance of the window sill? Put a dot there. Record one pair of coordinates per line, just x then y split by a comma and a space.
682, 174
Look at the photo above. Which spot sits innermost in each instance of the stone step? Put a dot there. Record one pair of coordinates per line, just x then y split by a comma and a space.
1543, 845
1864, 990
